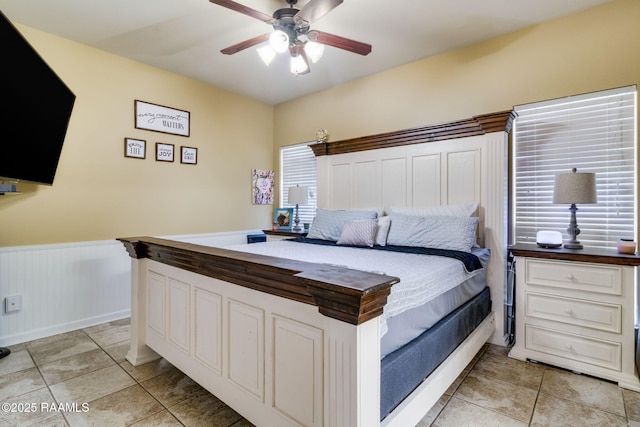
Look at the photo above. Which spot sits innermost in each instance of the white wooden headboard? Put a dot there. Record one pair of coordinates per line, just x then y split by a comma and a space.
445, 172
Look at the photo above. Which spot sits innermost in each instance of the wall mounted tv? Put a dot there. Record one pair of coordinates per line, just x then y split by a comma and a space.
36, 105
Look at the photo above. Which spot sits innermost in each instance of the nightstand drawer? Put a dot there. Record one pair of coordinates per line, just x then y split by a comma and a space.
590, 314
593, 351
598, 278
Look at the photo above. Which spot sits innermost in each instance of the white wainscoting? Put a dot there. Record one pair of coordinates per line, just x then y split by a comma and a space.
68, 286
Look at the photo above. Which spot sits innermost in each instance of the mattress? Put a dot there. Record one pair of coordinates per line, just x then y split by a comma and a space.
408, 325
423, 276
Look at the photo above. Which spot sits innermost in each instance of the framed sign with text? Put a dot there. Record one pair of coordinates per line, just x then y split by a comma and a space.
189, 155
164, 152
163, 119
135, 148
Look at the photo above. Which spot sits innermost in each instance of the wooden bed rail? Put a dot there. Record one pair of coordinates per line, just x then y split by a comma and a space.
351, 296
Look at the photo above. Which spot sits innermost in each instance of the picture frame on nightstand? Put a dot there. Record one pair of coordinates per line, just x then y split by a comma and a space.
283, 217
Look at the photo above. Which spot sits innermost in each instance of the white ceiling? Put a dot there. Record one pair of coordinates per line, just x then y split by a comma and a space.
185, 36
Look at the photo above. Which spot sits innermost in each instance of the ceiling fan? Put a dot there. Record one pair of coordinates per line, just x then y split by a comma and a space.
292, 33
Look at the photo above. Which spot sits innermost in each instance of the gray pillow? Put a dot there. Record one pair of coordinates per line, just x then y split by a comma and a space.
359, 233
440, 232
327, 225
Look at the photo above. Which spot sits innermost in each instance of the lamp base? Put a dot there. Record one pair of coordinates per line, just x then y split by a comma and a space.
573, 245
296, 220
573, 230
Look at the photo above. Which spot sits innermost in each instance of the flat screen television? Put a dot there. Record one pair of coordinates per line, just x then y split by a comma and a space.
36, 107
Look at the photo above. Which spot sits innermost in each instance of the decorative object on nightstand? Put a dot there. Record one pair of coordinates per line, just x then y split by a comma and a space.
549, 239
298, 196
282, 217
626, 246
574, 188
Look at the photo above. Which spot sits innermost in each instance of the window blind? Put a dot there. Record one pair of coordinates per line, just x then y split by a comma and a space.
298, 166
594, 132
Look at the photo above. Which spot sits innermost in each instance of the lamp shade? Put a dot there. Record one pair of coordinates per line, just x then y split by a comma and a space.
298, 195
575, 187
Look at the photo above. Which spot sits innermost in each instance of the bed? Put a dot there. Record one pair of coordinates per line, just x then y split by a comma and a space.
288, 341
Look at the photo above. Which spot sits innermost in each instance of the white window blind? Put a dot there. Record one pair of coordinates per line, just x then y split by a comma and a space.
595, 132
298, 166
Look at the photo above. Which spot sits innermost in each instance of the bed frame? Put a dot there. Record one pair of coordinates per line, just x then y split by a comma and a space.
289, 343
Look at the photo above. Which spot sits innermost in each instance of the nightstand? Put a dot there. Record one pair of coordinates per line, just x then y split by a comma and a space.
576, 309
275, 235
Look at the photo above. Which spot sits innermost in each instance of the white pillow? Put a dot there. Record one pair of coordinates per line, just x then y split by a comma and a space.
445, 210
327, 225
359, 233
384, 223
440, 232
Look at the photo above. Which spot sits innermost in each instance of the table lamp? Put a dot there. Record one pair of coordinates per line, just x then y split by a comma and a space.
298, 196
574, 188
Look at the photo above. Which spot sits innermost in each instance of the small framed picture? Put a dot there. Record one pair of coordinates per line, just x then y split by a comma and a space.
164, 152
189, 155
136, 148
283, 217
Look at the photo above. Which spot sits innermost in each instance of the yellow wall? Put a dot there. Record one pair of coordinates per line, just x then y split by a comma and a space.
99, 194
588, 51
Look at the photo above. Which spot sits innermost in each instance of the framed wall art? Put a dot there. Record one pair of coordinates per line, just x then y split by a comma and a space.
262, 184
163, 119
164, 152
136, 148
188, 155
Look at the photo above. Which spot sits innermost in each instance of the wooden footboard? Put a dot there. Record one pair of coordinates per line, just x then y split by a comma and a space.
282, 342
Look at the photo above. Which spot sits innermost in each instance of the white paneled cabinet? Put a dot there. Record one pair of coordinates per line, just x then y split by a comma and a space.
576, 309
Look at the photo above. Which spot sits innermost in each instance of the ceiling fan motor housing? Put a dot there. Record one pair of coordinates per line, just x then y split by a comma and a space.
287, 23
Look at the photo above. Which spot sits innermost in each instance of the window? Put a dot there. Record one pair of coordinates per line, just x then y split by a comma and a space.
298, 167
594, 132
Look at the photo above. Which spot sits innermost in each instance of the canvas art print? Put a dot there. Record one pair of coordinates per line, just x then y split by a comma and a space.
262, 187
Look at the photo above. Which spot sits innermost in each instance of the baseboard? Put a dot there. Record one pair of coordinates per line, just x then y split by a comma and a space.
62, 328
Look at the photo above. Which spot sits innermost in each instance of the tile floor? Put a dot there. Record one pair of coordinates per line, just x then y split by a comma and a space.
88, 367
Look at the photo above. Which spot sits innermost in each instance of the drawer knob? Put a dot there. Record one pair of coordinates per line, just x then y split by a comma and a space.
569, 311
570, 276
568, 346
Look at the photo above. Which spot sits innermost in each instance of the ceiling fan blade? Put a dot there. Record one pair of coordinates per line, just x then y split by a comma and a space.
229, 4
343, 43
315, 9
245, 44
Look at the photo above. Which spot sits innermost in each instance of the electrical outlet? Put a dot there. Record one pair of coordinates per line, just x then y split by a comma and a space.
13, 303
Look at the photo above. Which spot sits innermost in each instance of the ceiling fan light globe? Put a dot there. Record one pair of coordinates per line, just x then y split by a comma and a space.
298, 65
314, 50
266, 53
279, 41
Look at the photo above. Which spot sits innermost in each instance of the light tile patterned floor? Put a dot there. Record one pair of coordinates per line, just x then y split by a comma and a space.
88, 366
